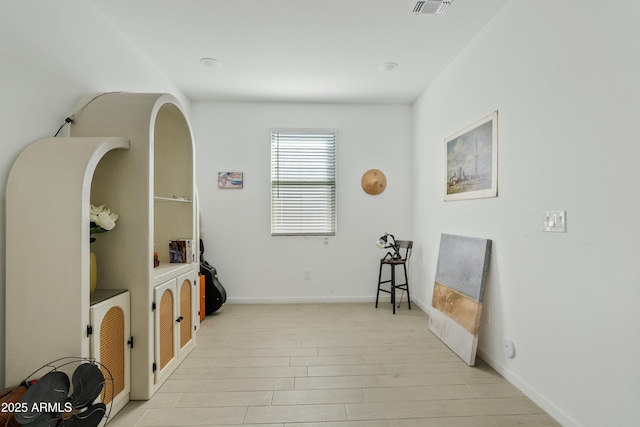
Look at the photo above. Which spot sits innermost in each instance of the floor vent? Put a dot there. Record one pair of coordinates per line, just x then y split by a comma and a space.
429, 7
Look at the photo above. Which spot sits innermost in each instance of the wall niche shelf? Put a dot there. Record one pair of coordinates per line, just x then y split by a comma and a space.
172, 199
48, 263
100, 295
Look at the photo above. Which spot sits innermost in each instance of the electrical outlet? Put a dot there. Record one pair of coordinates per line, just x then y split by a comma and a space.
508, 347
554, 221
307, 274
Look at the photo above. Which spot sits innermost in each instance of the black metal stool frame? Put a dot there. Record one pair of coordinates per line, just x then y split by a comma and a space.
407, 245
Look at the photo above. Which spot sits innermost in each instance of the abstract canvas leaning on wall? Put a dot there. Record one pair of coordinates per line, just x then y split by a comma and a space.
458, 293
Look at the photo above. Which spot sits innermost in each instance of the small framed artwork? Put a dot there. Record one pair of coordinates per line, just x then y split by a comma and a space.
230, 179
471, 161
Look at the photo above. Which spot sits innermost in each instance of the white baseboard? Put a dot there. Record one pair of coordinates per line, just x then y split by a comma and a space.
317, 300
519, 384
559, 416
299, 300
323, 300
422, 306
562, 418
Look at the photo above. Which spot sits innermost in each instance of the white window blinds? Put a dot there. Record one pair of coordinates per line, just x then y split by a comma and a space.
303, 183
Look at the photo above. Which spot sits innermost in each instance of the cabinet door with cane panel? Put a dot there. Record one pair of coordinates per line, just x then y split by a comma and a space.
174, 321
110, 345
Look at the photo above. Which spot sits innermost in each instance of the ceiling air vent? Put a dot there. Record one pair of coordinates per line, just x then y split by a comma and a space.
429, 7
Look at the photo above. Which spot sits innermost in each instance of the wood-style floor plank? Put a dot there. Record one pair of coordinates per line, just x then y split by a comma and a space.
329, 365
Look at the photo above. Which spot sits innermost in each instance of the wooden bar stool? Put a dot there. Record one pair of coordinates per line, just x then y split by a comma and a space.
401, 256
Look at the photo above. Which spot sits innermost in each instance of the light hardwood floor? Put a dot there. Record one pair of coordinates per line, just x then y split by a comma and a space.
329, 365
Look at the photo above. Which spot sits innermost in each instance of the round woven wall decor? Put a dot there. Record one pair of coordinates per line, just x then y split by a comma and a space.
374, 182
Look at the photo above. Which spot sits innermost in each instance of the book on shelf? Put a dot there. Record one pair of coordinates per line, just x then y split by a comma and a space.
182, 251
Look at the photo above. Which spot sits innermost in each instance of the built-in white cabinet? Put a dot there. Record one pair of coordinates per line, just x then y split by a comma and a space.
133, 153
111, 344
174, 322
152, 189
47, 251
48, 300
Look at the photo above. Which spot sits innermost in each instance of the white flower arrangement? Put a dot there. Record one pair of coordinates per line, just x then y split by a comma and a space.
101, 220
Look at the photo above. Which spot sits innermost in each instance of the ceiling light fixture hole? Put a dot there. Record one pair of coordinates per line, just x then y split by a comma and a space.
388, 66
211, 63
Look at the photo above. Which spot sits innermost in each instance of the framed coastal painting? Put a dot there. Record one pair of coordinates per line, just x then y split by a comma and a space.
471, 161
230, 180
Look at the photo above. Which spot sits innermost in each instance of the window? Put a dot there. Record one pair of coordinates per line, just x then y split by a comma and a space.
303, 183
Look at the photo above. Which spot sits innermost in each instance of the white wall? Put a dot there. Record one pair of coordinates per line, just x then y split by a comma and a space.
565, 82
52, 54
256, 267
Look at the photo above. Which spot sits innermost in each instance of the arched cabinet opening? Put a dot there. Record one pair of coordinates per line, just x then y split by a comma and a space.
134, 154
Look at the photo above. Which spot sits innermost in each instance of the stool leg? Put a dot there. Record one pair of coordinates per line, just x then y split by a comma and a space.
406, 280
379, 279
393, 287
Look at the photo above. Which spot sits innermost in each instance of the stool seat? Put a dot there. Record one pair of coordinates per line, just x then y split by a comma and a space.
406, 247
393, 261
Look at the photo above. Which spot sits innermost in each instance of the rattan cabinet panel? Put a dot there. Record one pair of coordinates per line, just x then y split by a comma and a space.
110, 345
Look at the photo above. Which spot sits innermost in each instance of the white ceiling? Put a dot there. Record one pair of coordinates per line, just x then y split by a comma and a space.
299, 50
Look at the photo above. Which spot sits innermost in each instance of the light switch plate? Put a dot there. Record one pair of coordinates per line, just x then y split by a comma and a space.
554, 221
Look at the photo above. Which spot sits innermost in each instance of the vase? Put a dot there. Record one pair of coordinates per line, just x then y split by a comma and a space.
93, 272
